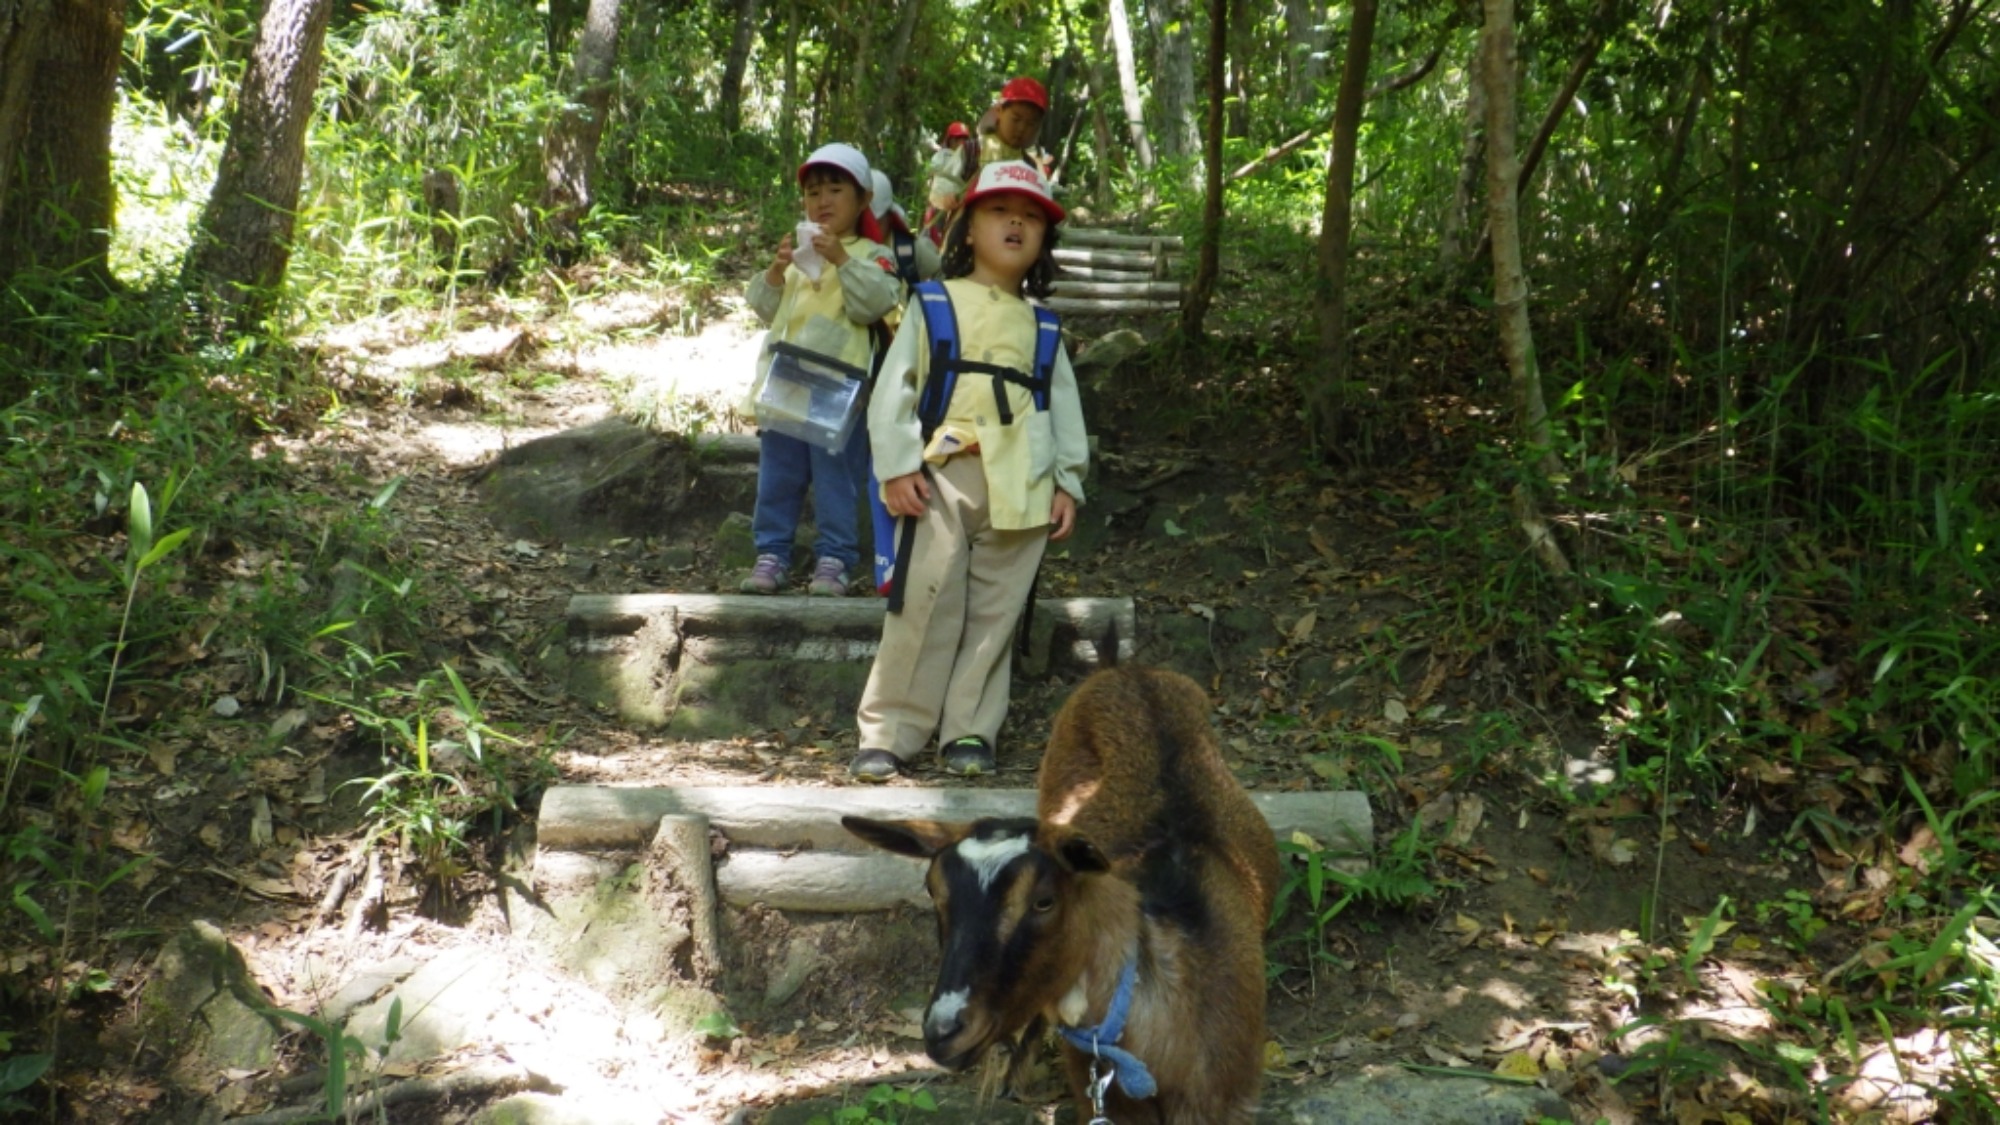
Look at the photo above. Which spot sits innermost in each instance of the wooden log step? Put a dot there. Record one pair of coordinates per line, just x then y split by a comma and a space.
788, 850
1102, 273
1109, 307
1163, 289
1114, 258
1087, 236
704, 665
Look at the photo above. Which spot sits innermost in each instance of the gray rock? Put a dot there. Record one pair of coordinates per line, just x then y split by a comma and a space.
607, 479
366, 985
203, 1003
801, 958
734, 548
568, 1109
446, 1005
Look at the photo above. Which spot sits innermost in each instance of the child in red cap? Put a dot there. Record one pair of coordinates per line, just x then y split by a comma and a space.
990, 472
1009, 129
947, 171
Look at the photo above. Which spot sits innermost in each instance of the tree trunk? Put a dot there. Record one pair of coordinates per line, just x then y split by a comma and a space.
1128, 89
1195, 309
1510, 281
1324, 396
1471, 148
56, 98
852, 108
21, 27
893, 143
1173, 78
1585, 59
739, 60
1101, 134
244, 238
569, 148
1305, 49
788, 98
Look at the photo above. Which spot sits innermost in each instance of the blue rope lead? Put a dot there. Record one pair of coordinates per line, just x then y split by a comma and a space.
1100, 1041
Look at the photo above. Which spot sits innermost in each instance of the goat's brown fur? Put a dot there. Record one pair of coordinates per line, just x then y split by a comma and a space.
1145, 845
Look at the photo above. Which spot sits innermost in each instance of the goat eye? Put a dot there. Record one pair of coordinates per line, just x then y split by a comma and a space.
1045, 904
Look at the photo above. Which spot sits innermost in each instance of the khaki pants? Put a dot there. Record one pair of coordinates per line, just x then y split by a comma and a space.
945, 663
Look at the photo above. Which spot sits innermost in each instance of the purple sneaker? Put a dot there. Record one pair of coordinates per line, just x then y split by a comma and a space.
766, 577
829, 579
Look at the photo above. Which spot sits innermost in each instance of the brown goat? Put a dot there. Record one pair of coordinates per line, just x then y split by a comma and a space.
1146, 853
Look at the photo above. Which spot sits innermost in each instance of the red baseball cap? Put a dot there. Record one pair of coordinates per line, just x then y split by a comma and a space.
1025, 89
955, 130
1015, 177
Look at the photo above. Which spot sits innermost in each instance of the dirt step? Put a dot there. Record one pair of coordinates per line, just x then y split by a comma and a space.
708, 665
789, 851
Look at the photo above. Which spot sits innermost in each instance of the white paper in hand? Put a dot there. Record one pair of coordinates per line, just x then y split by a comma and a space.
803, 254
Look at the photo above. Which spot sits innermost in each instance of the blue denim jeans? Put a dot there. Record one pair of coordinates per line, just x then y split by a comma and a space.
786, 469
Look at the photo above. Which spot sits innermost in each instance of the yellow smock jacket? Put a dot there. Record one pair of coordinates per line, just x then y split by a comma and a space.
1025, 462
829, 316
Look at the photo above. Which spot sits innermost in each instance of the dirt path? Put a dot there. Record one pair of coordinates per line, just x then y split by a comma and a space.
1295, 596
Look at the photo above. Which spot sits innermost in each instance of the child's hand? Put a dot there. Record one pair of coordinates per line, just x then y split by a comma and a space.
1062, 517
776, 274
829, 247
906, 495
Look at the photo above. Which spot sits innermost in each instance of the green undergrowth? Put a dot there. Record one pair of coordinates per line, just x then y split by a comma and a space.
1791, 619
168, 562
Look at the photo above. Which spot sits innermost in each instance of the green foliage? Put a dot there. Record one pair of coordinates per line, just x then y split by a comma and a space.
1314, 880
883, 1105
17, 1073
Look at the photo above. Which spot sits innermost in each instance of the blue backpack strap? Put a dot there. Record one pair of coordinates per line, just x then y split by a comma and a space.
904, 246
1048, 342
941, 326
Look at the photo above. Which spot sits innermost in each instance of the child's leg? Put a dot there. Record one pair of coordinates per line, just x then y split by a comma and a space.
837, 481
906, 688
1000, 572
784, 469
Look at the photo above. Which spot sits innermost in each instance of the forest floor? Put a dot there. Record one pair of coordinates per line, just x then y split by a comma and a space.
1502, 938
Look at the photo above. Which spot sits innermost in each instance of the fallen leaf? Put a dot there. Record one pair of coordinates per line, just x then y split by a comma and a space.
1395, 712
1518, 1064
1611, 848
163, 759
1302, 630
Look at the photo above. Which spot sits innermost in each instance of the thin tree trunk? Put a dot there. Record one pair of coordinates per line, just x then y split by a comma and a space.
1202, 290
1305, 49
21, 27
1298, 140
1471, 148
788, 98
1101, 133
1510, 281
1173, 76
569, 148
1128, 89
1324, 396
893, 144
56, 99
739, 60
852, 108
1655, 212
1585, 59
244, 238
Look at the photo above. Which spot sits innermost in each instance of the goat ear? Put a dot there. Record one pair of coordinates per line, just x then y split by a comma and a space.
919, 838
1081, 856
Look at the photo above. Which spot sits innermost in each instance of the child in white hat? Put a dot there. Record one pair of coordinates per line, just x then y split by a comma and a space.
989, 471
916, 259
821, 296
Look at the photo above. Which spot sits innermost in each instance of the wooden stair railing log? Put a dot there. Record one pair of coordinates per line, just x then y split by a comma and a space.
1101, 271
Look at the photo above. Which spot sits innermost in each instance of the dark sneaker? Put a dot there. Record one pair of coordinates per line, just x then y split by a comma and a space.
767, 577
874, 765
829, 579
968, 757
